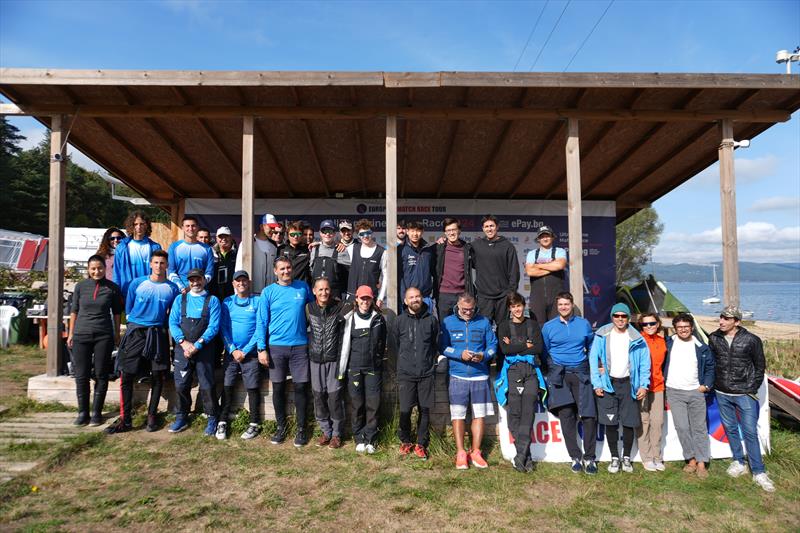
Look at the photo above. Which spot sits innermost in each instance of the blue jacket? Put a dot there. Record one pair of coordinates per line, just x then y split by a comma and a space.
417, 267
638, 353
705, 361
238, 323
126, 268
459, 335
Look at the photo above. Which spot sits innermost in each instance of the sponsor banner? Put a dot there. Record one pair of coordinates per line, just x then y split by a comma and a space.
519, 220
547, 439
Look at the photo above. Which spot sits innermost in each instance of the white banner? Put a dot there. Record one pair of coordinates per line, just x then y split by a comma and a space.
547, 439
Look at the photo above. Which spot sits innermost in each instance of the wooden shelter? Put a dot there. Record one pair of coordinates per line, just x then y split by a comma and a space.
171, 135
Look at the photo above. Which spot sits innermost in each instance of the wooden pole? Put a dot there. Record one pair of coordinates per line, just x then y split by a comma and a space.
57, 211
575, 223
727, 191
391, 210
176, 215
248, 193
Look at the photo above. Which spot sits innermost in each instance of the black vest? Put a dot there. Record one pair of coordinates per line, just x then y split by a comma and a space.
365, 271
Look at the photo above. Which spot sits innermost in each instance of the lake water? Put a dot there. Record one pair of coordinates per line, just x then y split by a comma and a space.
775, 302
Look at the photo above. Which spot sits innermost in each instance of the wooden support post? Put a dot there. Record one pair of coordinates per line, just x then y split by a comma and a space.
57, 213
176, 215
727, 191
391, 211
248, 193
574, 213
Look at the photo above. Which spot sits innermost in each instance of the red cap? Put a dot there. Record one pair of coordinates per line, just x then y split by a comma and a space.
364, 290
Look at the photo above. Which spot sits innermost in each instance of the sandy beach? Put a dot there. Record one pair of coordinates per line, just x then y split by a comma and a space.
762, 328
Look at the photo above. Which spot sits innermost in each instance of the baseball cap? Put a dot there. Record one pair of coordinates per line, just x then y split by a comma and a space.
731, 311
270, 221
545, 230
345, 224
364, 290
327, 224
241, 274
195, 273
224, 230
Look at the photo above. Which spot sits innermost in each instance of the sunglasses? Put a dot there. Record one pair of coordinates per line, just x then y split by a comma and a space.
648, 324
115, 238
620, 316
365, 234
295, 234
327, 231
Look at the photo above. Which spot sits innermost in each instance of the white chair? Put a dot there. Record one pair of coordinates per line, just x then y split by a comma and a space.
7, 312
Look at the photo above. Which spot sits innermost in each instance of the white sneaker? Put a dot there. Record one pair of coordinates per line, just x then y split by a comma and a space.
627, 466
764, 482
660, 466
370, 449
737, 469
222, 431
650, 466
613, 467
361, 447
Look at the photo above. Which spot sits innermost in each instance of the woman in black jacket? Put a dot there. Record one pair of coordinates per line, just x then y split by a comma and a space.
92, 337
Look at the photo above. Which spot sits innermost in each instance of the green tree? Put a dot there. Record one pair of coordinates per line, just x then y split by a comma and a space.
636, 237
9, 173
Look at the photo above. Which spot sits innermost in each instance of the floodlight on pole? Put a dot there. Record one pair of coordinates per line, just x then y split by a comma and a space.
784, 56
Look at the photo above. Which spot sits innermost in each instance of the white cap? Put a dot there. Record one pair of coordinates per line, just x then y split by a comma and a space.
224, 230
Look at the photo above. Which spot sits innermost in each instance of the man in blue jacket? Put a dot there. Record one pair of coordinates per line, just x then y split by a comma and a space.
620, 368
417, 262
132, 255
188, 254
193, 324
468, 341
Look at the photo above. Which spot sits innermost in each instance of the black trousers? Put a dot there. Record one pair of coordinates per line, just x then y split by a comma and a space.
568, 415
523, 392
93, 349
417, 392
364, 388
126, 381
445, 304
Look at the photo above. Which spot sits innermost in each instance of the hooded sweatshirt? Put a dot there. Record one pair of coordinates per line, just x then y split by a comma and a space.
496, 267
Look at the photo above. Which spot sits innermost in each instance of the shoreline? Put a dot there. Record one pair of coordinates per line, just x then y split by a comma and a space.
765, 329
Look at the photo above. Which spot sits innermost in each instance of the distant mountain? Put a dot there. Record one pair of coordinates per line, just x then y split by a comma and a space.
747, 272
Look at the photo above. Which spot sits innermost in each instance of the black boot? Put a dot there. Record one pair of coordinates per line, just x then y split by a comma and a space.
83, 405
97, 405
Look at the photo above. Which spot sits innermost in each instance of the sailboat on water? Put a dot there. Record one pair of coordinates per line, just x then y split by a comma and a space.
714, 298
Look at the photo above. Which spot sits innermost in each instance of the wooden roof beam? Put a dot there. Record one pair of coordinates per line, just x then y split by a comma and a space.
359, 145
450, 142
406, 145
312, 145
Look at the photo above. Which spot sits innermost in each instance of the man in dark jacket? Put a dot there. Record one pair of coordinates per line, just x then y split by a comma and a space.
418, 340
739, 373
454, 263
496, 271
416, 262
224, 264
326, 323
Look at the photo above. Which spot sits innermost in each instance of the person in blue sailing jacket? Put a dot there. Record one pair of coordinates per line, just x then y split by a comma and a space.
188, 254
132, 256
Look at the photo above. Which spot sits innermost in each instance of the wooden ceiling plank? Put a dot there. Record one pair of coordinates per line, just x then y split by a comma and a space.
454, 128
359, 145
271, 152
406, 145
312, 145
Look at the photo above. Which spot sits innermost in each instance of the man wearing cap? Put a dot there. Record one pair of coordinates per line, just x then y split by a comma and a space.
345, 246
193, 323
326, 261
546, 267
282, 343
238, 329
298, 253
188, 254
224, 263
740, 364
265, 249
369, 264
620, 368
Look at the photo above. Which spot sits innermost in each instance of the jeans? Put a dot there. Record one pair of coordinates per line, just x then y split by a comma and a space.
740, 414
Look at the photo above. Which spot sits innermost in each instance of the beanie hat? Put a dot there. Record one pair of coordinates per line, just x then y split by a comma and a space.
620, 308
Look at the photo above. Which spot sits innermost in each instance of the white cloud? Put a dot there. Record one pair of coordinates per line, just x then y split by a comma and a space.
746, 170
777, 203
758, 241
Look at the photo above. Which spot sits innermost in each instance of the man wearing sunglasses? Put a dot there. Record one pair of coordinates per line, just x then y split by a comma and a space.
326, 261
620, 367
369, 264
297, 252
265, 249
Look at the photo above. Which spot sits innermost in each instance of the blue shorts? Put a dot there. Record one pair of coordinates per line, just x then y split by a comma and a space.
250, 369
465, 393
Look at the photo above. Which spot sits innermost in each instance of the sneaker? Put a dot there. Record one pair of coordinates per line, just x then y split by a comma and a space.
336, 443
96, 420
253, 430
406, 448
181, 423
590, 466
519, 464
118, 427
421, 452
577, 467
370, 449
324, 440
361, 447
300, 439
279, 436
660, 466
737, 469
477, 459
211, 427
222, 431
650, 466
764, 482
530, 466
613, 467
461, 461
152, 423
627, 466
82, 420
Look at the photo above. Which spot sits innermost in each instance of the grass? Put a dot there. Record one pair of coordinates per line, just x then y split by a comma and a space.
18, 363
783, 357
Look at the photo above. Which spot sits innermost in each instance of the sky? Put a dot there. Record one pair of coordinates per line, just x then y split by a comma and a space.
571, 35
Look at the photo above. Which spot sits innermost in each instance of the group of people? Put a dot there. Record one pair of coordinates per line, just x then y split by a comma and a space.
312, 310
